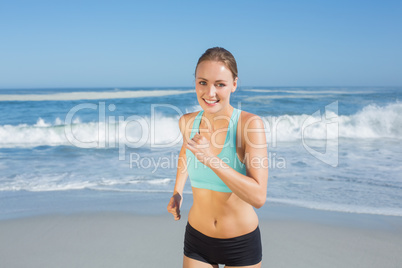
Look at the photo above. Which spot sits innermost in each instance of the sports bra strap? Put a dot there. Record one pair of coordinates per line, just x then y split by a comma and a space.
196, 124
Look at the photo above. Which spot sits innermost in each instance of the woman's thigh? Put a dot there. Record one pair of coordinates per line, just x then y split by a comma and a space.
192, 263
258, 265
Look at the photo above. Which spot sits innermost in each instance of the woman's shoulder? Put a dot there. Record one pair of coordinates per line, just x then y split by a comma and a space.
252, 129
188, 117
186, 121
250, 120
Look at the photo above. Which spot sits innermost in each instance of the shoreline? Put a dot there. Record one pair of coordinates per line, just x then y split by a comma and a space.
24, 204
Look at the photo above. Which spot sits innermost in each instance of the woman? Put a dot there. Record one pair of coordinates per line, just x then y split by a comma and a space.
224, 153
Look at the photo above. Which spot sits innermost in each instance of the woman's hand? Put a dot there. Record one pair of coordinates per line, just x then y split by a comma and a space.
201, 148
174, 206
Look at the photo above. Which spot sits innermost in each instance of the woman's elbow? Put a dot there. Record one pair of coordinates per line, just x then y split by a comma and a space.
260, 200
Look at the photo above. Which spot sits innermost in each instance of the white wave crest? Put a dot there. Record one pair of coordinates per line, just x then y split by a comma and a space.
91, 95
371, 122
339, 207
68, 181
308, 91
161, 131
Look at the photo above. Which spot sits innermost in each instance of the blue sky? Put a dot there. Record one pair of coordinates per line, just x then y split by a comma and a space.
157, 43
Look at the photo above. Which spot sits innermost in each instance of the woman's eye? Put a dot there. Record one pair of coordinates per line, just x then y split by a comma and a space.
221, 85
202, 83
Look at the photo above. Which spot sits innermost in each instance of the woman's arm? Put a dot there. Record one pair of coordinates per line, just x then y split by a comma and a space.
181, 176
251, 188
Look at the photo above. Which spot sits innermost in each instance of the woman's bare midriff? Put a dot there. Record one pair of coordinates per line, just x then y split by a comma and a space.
221, 215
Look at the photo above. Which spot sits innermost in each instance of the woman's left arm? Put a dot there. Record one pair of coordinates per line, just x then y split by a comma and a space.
252, 188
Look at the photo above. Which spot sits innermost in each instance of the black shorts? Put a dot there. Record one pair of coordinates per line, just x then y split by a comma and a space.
237, 251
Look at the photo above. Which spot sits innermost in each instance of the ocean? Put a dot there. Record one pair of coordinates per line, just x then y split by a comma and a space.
116, 149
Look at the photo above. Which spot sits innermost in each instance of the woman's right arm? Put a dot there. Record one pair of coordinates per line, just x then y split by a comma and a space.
181, 176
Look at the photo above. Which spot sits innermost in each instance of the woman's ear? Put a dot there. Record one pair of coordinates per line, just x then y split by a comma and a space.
234, 85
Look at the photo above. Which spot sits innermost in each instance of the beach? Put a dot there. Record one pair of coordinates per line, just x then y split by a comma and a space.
93, 143
85, 182
122, 239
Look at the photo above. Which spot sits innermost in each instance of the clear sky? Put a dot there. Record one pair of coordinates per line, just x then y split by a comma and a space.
157, 43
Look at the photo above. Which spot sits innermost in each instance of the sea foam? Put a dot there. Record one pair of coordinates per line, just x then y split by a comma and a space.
91, 95
386, 211
372, 122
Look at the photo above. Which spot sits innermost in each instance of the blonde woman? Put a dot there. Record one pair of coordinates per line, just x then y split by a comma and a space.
224, 154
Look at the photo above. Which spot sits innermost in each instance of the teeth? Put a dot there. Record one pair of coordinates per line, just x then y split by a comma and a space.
210, 102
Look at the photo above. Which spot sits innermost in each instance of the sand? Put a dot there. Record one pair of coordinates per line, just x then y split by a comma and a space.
112, 239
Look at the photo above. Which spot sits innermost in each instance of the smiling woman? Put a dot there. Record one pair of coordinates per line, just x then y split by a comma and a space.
219, 143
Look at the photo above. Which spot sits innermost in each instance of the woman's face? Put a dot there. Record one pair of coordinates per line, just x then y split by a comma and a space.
213, 84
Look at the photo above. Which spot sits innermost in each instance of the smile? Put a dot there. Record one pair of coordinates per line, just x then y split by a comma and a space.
211, 101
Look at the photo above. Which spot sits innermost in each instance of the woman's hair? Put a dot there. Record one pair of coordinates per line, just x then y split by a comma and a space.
221, 55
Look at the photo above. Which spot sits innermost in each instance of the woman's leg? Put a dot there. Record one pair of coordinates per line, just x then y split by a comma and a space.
192, 263
258, 265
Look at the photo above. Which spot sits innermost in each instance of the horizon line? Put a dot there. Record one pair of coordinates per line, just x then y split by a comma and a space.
175, 87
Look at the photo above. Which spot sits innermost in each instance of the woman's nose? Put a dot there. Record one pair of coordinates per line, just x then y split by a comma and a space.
212, 91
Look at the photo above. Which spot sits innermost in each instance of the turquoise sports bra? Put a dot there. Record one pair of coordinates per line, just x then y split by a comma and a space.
202, 176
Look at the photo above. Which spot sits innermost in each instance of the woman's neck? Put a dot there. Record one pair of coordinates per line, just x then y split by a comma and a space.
217, 120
